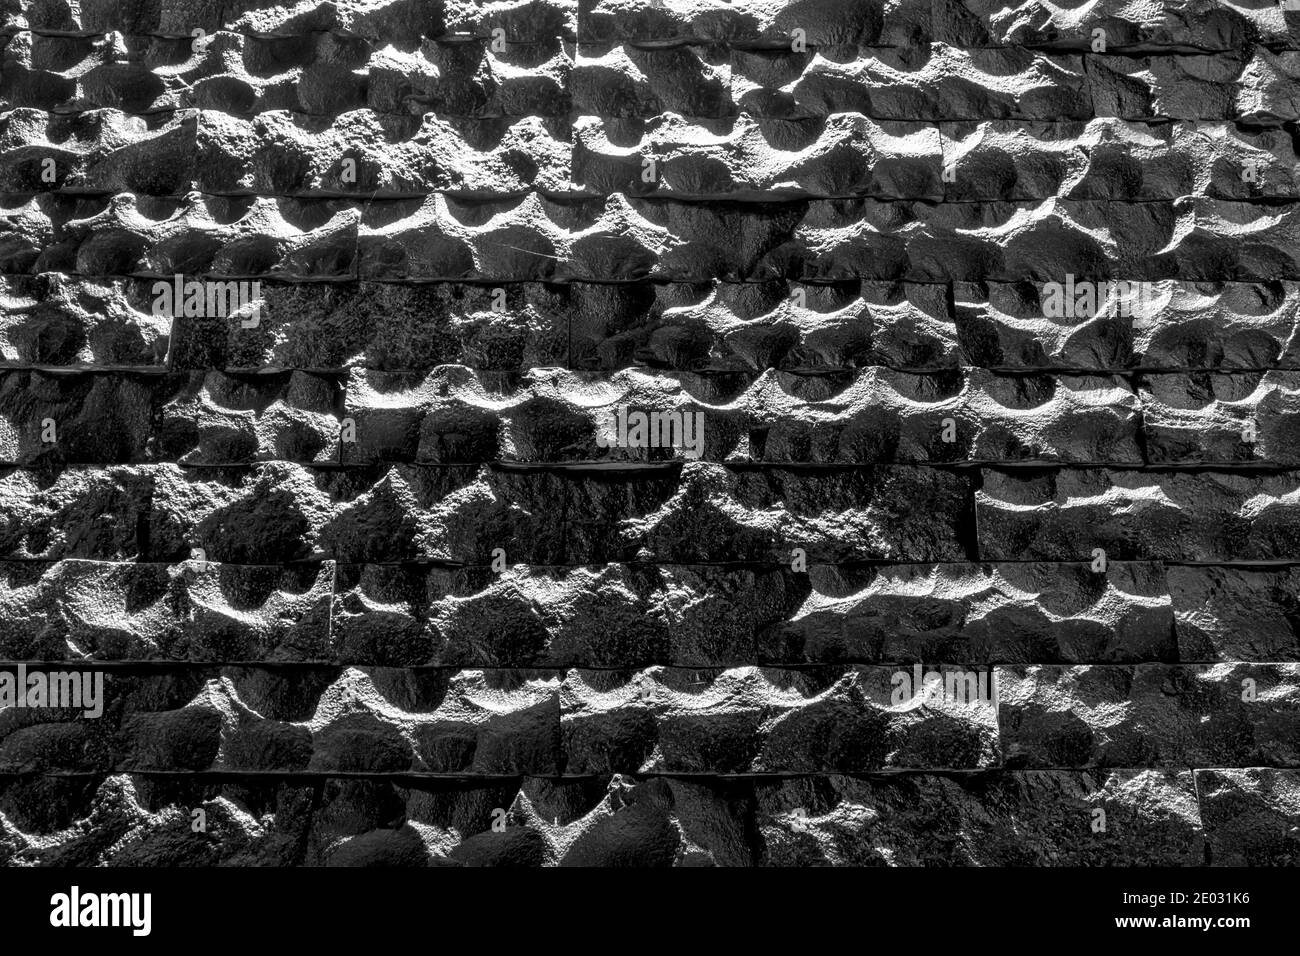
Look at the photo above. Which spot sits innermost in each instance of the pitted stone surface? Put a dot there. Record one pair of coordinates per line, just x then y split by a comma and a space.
319, 720
876, 416
620, 238
829, 719
189, 611
1150, 715
1022, 818
1251, 816
1225, 613
1215, 517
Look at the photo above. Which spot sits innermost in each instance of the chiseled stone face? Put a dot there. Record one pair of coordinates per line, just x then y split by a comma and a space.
608, 432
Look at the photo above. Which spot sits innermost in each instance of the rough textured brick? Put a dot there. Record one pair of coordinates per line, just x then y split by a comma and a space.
192, 611
831, 719
1025, 818
1251, 816
389, 327
59, 321
98, 151
876, 416
135, 820
1063, 515
319, 720
1150, 715
979, 614
1235, 613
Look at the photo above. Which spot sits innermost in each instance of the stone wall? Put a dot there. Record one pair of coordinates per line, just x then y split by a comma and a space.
650, 432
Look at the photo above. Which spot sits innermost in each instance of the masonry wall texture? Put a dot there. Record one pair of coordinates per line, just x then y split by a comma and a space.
369, 585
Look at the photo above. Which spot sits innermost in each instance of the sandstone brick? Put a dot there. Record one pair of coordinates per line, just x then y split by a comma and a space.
136, 820
747, 720
1024, 818
1149, 715
98, 151
1201, 516
978, 614
1251, 816
329, 326
318, 720
195, 611
1235, 613
58, 321
875, 416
